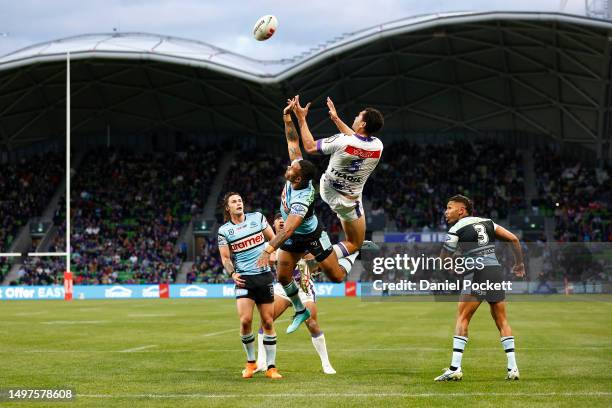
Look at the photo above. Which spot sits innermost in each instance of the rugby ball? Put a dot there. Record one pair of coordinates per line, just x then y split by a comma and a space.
265, 27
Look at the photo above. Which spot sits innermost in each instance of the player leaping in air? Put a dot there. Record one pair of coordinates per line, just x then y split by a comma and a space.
302, 231
355, 153
282, 302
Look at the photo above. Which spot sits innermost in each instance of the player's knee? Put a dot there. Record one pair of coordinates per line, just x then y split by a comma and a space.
284, 280
336, 278
267, 323
246, 322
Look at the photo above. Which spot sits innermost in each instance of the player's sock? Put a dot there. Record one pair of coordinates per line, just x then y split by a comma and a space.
261, 351
269, 341
248, 341
459, 343
318, 342
508, 345
292, 293
347, 262
341, 250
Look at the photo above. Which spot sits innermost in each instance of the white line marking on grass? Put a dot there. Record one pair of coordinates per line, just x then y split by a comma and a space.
75, 322
151, 315
132, 350
358, 395
31, 313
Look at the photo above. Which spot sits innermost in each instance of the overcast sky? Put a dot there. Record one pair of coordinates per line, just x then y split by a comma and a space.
228, 23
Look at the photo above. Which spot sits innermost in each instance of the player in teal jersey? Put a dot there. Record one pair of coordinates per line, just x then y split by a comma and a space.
241, 240
302, 231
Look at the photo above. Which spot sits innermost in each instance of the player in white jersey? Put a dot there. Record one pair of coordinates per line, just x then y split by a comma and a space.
355, 153
282, 302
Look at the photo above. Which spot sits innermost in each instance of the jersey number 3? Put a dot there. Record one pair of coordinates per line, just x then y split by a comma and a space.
483, 237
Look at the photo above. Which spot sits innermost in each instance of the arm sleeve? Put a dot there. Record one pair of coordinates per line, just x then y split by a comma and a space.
452, 240
299, 209
264, 222
221, 240
331, 144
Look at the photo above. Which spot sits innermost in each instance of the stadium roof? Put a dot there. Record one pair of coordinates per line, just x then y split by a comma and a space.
537, 73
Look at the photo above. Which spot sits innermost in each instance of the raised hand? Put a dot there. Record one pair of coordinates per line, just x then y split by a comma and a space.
300, 112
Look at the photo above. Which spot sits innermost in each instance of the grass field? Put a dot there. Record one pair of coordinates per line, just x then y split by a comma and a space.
188, 353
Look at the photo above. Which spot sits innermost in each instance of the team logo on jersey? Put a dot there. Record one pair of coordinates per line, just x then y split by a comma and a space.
253, 224
364, 154
247, 243
231, 231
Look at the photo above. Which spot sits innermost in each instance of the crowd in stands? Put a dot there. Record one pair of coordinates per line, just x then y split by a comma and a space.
207, 267
25, 190
413, 182
41, 271
128, 211
577, 193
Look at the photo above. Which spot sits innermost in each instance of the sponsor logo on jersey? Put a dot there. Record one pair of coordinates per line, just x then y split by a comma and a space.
364, 154
345, 176
247, 243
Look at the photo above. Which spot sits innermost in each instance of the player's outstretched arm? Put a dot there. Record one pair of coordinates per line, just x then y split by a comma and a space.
293, 140
293, 221
333, 115
505, 235
300, 113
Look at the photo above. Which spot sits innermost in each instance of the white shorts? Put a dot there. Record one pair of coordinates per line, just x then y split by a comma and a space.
346, 209
305, 298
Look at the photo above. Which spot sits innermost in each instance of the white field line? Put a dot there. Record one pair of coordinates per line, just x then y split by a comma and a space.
355, 395
132, 350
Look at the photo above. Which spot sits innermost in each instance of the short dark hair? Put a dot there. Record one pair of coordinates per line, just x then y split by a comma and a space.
277, 216
226, 213
308, 171
469, 205
374, 120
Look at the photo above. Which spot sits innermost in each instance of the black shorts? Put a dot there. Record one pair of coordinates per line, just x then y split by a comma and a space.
317, 243
258, 287
493, 274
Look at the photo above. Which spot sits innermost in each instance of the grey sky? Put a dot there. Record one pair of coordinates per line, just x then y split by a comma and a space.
228, 23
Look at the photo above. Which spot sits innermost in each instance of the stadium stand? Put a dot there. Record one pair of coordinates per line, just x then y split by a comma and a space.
128, 212
414, 181
579, 196
25, 189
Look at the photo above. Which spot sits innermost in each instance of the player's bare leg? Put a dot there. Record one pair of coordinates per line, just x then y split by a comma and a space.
355, 234
280, 305
498, 311
266, 311
245, 314
332, 269
286, 262
465, 310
